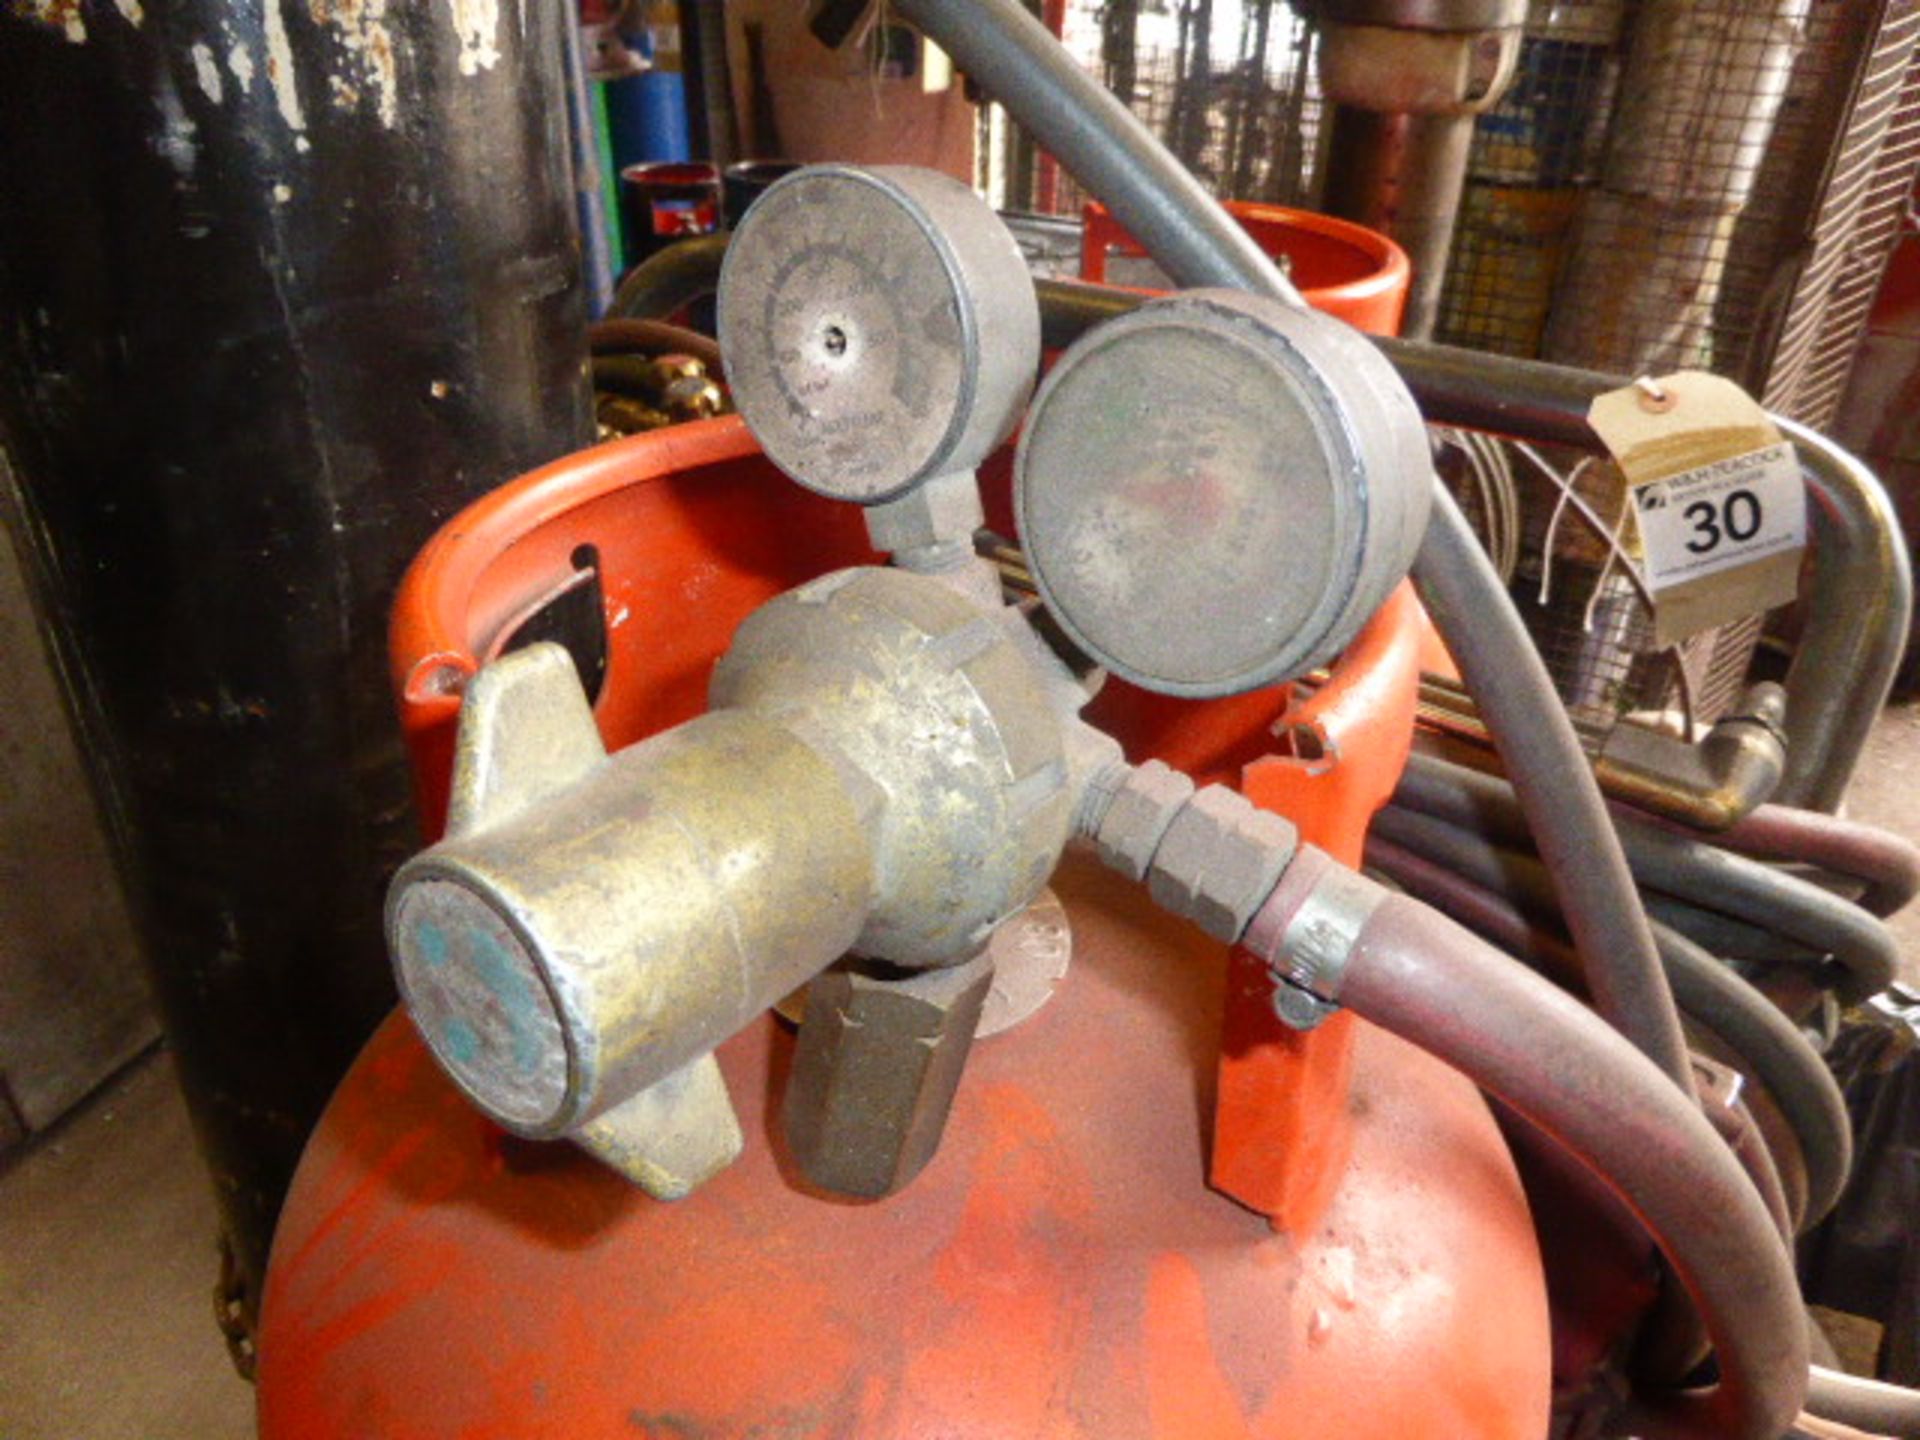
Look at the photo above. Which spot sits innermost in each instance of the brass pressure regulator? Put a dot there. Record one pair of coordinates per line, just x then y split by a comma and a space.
893, 759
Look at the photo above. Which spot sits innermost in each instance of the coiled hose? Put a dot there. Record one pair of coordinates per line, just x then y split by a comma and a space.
1704, 876
1766, 1042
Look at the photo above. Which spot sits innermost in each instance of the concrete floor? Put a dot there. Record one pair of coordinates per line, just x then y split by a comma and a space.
107, 1266
106, 1232
1886, 792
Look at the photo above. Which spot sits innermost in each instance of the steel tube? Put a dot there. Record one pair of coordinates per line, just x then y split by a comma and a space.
1516, 1035
1861, 591
1857, 612
1403, 174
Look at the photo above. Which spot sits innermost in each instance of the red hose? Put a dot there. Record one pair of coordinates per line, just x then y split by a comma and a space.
1416, 973
1887, 863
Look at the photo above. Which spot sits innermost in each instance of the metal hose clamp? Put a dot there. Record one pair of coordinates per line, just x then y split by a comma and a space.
1306, 940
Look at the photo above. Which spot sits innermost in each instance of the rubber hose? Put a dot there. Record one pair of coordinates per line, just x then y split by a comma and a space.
1735, 939
1766, 1042
1516, 1035
1555, 786
1870, 1405
1520, 874
1114, 156
670, 279
1076, 119
1689, 870
624, 333
1887, 864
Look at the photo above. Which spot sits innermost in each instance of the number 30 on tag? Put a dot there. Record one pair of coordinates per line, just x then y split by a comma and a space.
1718, 501
1726, 513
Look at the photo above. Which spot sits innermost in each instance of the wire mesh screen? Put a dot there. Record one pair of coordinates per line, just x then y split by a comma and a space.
1854, 228
1667, 184
1685, 184
1617, 215
1533, 156
1227, 85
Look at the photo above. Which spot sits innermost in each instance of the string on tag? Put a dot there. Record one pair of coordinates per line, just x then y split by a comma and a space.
1570, 499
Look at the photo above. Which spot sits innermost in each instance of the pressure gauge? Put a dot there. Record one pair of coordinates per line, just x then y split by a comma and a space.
1215, 491
879, 328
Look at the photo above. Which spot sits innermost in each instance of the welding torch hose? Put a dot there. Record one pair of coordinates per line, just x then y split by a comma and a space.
1886, 865
1869, 1405
1762, 1040
1550, 1059
1687, 869
670, 279
621, 334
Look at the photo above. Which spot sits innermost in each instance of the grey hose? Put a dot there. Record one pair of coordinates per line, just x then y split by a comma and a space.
1518, 1036
1687, 869
1554, 785
1887, 865
1113, 155
1099, 141
1724, 935
1870, 1405
1764, 1041
1746, 889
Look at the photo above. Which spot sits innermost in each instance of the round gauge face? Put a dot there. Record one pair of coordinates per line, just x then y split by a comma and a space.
847, 351
1181, 492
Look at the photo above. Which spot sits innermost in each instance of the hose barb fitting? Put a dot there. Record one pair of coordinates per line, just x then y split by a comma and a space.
1305, 931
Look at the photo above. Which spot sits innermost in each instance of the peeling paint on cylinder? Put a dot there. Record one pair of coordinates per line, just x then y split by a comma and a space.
241, 63
286, 88
253, 391
65, 16
362, 28
477, 22
207, 70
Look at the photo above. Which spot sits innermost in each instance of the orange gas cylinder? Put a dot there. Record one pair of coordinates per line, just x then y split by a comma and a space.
1061, 1268
1342, 268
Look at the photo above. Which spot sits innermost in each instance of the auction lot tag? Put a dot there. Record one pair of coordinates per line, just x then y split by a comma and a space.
1718, 501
